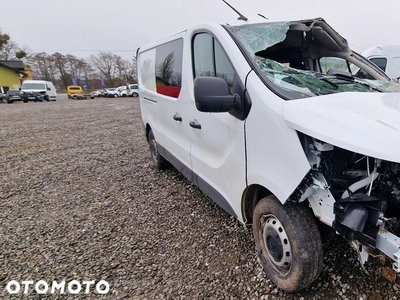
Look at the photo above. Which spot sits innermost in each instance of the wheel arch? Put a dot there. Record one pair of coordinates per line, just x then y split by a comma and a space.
251, 196
147, 128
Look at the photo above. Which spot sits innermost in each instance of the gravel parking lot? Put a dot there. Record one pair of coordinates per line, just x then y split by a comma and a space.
80, 200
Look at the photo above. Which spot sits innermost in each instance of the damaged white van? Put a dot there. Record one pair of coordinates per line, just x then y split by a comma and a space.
268, 120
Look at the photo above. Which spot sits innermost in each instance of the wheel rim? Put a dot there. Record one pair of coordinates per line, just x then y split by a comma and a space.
276, 244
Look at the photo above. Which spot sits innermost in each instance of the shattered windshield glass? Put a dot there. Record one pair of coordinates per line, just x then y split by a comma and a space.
310, 83
259, 36
272, 47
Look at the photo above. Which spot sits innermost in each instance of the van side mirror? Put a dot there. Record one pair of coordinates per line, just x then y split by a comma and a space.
48, 89
212, 94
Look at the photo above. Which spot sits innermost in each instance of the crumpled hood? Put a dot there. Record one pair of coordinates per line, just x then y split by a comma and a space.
366, 123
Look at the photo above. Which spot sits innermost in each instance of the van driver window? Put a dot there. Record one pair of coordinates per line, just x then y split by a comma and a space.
209, 59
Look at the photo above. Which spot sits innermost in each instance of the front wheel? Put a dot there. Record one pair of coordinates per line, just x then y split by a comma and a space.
158, 161
134, 94
288, 243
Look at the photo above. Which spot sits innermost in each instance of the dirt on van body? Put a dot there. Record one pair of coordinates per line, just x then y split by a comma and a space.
80, 200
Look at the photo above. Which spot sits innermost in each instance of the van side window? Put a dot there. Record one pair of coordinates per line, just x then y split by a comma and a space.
168, 70
328, 63
380, 62
161, 68
209, 59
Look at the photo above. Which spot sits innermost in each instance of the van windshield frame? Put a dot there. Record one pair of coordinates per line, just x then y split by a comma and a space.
265, 45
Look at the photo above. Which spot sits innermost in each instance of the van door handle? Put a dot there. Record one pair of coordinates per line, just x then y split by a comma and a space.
195, 124
177, 118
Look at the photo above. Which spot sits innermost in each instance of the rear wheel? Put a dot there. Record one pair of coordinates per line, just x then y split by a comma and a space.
134, 94
158, 161
288, 243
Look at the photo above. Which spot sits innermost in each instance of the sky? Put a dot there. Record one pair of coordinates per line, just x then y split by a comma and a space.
85, 27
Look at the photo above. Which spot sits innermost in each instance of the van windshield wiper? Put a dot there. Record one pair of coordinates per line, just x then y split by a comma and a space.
348, 79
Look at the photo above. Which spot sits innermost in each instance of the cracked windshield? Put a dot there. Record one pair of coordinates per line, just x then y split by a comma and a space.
299, 65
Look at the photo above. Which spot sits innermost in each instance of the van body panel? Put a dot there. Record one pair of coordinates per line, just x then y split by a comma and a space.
161, 110
368, 125
275, 157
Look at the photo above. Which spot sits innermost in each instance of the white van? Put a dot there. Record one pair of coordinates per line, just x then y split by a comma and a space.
269, 122
386, 57
38, 90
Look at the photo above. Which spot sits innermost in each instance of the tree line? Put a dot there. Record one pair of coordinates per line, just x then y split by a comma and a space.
105, 69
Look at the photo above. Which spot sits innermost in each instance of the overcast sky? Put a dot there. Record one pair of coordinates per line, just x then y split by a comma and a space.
84, 27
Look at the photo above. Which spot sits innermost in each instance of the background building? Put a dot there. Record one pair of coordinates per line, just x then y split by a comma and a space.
12, 73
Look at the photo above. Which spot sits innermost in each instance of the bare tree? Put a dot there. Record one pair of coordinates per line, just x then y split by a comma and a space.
60, 62
109, 65
131, 73
43, 66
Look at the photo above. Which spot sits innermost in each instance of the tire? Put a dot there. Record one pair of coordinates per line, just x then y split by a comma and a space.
135, 94
159, 162
288, 243
115, 96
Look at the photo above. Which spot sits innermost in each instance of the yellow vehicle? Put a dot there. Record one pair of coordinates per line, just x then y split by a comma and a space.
72, 90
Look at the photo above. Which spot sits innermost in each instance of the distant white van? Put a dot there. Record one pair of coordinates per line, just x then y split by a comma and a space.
386, 57
268, 121
38, 90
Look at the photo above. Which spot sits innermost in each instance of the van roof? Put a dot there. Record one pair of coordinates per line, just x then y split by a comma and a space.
213, 24
382, 50
35, 81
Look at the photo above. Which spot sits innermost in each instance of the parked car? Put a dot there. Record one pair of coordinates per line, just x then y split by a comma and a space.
123, 91
133, 90
113, 93
268, 121
97, 93
73, 89
13, 95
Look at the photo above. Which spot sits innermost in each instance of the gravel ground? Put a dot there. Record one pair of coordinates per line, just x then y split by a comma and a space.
79, 199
